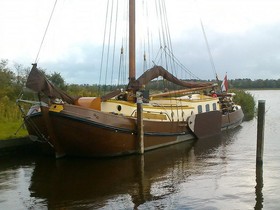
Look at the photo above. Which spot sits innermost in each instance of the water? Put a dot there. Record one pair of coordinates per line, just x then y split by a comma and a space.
216, 173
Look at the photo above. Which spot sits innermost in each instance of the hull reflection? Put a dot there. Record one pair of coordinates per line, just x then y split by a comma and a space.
73, 182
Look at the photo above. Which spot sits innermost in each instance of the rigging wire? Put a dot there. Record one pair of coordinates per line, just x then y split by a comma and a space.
111, 48
165, 55
121, 61
169, 42
122, 71
103, 47
45, 33
115, 36
109, 41
159, 32
164, 44
177, 61
208, 49
207, 43
149, 39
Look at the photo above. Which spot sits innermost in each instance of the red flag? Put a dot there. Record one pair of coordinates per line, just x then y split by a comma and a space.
224, 85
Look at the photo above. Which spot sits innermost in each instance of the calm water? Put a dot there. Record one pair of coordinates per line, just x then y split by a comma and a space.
217, 173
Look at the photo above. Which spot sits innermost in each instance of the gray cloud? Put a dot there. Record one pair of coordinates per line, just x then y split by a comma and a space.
254, 54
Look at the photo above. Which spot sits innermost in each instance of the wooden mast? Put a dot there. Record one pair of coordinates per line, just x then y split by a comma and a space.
131, 40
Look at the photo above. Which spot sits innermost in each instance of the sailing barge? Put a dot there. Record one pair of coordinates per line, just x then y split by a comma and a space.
127, 121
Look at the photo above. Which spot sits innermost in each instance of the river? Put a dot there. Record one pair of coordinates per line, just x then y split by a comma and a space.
214, 173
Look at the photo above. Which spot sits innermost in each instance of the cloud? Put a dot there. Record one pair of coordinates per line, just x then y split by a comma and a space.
243, 37
253, 54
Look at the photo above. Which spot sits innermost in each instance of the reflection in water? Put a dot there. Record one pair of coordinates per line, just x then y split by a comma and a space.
92, 183
259, 187
207, 174
71, 182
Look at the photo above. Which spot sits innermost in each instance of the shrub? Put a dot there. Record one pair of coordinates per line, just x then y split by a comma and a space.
247, 102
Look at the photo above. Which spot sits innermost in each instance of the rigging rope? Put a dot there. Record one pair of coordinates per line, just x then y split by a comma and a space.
37, 57
109, 41
115, 37
207, 43
103, 47
208, 48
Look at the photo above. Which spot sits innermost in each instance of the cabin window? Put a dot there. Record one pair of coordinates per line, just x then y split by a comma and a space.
199, 108
119, 107
214, 106
207, 107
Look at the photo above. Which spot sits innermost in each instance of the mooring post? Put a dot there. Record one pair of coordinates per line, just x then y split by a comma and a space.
259, 187
140, 126
260, 130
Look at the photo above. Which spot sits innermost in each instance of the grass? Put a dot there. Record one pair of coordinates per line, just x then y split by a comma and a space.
8, 129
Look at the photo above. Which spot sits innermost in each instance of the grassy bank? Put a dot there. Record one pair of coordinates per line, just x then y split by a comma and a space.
8, 129
10, 120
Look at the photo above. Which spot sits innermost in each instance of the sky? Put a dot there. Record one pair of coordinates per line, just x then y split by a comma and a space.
243, 36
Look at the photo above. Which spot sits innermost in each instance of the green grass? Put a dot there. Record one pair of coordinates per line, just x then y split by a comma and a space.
8, 129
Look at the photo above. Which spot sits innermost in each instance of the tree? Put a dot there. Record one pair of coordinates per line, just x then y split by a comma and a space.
57, 80
7, 80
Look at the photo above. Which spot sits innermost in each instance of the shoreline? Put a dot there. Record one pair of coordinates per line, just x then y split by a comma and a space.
16, 146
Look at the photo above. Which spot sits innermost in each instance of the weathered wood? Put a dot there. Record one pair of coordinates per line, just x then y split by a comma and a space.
132, 53
259, 186
260, 131
140, 126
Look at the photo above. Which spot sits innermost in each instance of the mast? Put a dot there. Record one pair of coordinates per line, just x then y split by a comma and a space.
131, 40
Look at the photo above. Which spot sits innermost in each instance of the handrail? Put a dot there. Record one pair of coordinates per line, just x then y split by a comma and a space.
154, 112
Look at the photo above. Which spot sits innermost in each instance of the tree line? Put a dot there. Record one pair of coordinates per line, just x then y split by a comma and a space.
12, 81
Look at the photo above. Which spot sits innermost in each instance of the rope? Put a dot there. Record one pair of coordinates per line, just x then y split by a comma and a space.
208, 48
103, 47
115, 37
109, 42
36, 60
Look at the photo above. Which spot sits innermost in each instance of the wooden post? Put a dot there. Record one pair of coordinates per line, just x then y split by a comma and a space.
140, 126
260, 130
259, 187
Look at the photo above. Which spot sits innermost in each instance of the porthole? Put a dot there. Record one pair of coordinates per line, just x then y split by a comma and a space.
119, 108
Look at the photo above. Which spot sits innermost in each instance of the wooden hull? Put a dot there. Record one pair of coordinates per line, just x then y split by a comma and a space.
79, 131
74, 133
232, 119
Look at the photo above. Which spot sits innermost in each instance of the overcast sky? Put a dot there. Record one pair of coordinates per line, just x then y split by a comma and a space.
243, 35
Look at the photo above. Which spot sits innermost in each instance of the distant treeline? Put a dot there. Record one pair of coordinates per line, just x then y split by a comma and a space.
233, 84
254, 84
12, 81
